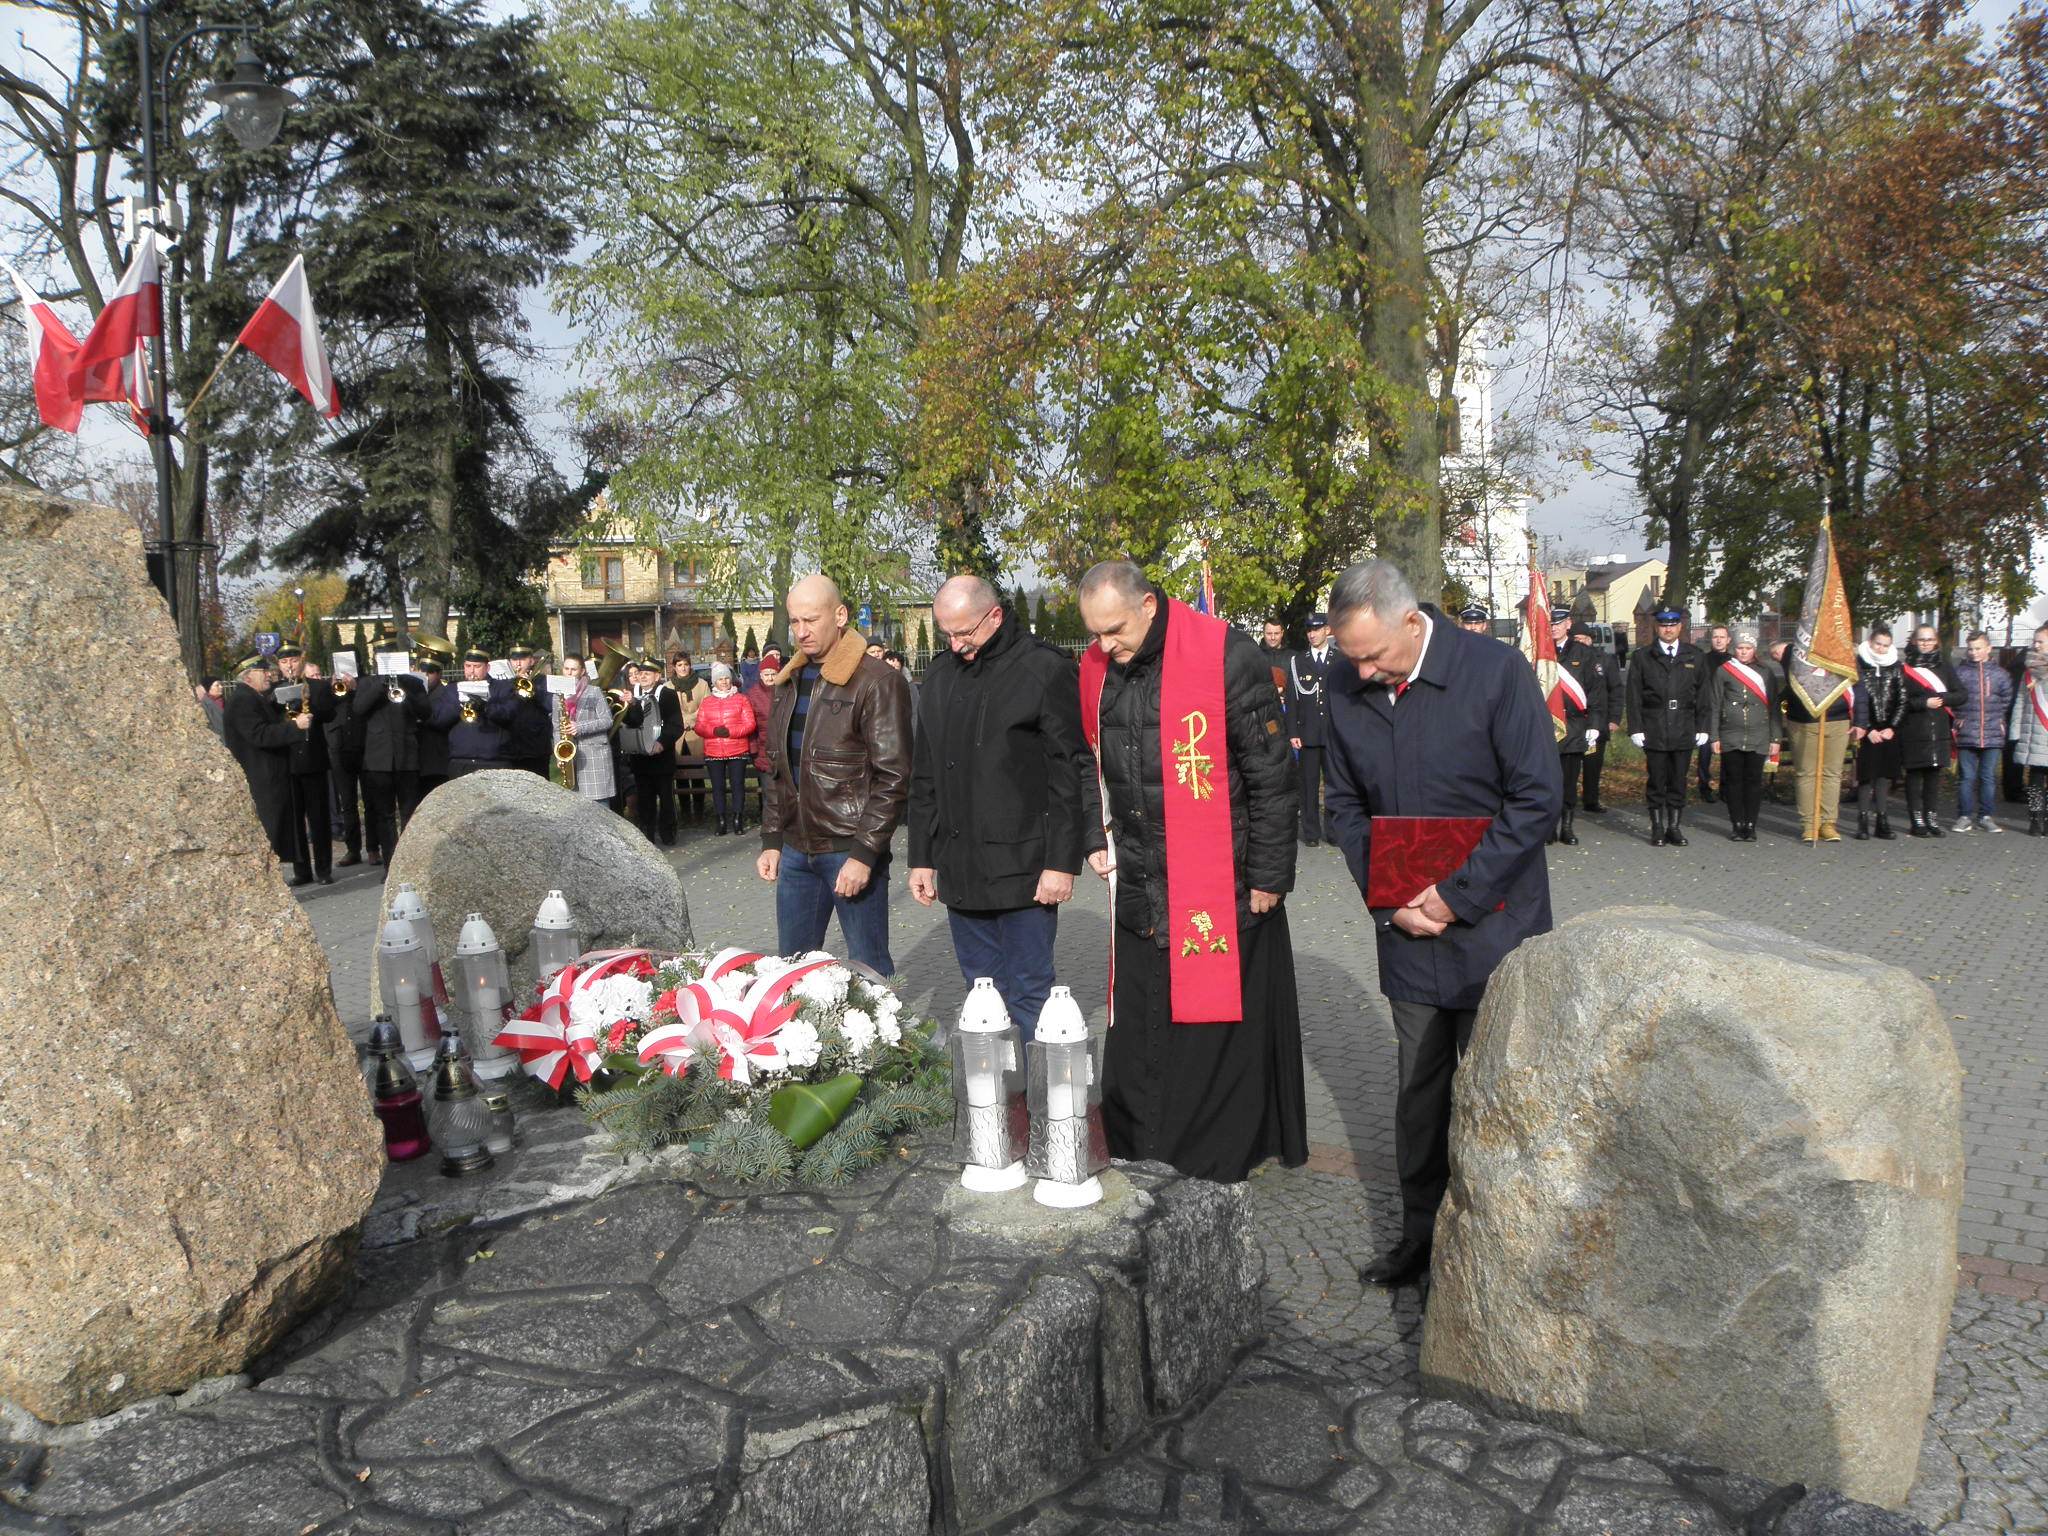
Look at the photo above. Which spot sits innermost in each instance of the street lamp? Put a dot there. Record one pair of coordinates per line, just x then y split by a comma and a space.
253, 110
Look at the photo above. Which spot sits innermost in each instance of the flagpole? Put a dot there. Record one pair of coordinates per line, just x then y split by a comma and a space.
1820, 765
192, 405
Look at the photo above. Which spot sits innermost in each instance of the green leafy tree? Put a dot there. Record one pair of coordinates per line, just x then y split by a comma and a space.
777, 198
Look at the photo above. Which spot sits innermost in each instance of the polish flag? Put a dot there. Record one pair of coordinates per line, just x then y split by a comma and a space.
51, 348
285, 333
134, 311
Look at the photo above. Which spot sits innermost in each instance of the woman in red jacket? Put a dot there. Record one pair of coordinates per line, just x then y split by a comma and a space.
725, 724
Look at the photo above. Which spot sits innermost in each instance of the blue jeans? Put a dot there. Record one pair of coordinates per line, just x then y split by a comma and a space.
1977, 780
1013, 948
804, 904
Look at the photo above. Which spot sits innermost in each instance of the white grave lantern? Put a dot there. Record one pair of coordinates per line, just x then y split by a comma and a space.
486, 994
556, 942
405, 983
407, 904
1068, 1148
989, 1124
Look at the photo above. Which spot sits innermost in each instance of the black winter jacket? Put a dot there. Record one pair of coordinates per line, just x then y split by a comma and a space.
1924, 733
1880, 692
309, 752
390, 730
1002, 784
1265, 799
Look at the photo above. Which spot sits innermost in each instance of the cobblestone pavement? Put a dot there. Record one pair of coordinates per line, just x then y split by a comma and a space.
1964, 912
676, 1357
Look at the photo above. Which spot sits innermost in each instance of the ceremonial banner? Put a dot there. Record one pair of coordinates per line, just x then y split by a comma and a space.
1822, 661
1541, 650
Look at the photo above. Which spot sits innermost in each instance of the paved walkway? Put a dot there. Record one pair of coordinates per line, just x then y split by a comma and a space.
1964, 912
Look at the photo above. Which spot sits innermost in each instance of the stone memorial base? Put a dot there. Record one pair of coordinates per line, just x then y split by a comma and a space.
894, 1357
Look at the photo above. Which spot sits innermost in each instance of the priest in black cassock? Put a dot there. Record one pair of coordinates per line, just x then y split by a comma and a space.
1203, 1066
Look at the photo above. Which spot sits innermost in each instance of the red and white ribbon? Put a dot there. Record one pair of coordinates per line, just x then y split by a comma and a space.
549, 1042
743, 1030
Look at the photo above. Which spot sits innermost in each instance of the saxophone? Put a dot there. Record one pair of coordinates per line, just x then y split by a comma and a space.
565, 745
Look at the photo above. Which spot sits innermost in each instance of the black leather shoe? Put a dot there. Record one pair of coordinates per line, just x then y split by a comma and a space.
1595, 808
295, 879
327, 877
1309, 842
1407, 1261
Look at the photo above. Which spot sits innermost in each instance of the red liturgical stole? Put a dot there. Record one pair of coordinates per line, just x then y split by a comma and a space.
1201, 870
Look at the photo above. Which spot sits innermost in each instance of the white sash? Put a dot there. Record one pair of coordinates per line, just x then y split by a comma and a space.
1573, 690
1750, 678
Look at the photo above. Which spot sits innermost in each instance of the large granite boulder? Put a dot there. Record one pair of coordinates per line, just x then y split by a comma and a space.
497, 842
188, 1145
1704, 1186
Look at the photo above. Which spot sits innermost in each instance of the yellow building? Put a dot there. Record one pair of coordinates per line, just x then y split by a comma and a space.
612, 587
1621, 588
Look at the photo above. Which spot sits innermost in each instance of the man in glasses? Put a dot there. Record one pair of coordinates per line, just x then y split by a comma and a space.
1003, 801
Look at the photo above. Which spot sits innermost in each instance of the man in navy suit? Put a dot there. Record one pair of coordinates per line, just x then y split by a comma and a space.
1426, 719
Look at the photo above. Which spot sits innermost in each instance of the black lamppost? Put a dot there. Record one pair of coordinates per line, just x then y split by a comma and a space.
252, 110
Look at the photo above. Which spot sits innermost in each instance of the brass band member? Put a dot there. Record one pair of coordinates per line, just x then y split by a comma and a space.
312, 821
522, 710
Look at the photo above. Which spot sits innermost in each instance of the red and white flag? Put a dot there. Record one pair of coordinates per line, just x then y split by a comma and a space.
134, 311
285, 333
51, 348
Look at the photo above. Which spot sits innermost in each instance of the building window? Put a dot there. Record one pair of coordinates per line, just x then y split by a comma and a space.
606, 573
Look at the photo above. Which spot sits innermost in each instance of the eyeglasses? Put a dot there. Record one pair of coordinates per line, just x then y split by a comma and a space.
963, 636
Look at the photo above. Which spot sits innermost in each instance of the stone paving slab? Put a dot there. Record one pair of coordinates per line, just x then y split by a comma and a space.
676, 1355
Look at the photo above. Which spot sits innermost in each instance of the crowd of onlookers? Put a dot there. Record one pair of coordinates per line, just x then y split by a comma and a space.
666, 744
673, 743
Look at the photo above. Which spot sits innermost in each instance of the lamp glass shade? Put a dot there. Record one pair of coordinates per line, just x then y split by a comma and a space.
251, 108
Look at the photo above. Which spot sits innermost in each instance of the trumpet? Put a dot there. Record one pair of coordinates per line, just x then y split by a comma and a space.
469, 711
395, 693
341, 687
525, 687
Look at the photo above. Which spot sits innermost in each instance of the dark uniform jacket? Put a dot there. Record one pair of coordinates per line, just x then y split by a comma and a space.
1307, 705
1924, 733
1600, 675
309, 747
1002, 784
1590, 670
1471, 737
1667, 696
480, 740
390, 731
345, 732
432, 735
1265, 796
527, 723
853, 785
256, 731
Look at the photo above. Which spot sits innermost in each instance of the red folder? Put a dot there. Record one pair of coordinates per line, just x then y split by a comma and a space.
1412, 853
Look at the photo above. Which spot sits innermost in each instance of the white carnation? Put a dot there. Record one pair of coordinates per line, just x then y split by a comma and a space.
609, 999
859, 1029
887, 1028
769, 966
800, 1044
826, 988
